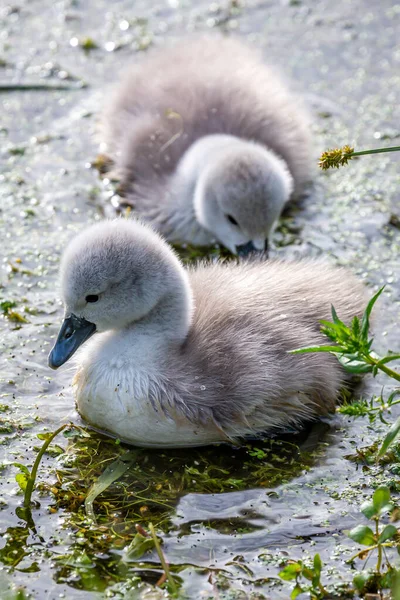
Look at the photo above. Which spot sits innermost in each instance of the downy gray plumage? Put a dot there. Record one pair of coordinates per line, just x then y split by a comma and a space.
190, 356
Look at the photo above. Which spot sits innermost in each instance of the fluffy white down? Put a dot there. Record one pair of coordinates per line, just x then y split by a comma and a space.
209, 359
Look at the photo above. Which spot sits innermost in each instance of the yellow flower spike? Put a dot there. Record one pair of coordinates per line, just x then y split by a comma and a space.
336, 157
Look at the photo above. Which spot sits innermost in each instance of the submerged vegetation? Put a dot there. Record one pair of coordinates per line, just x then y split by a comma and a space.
115, 498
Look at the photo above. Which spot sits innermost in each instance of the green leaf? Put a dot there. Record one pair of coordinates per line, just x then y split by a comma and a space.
390, 436
138, 546
75, 431
335, 318
355, 326
360, 580
380, 498
291, 571
317, 564
388, 358
367, 313
392, 397
25, 514
336, 349
353, 365
388, 532
44, 436
332, 330
337, 324
22, 468
297, 590
362, 535
22, 480
113, 472
308, 573
368, 509
333, 334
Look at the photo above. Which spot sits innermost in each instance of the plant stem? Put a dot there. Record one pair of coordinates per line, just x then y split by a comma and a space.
32, 477
322, 589
376, 363
369, 550
376, 151
379, 561
23, 87
162, 560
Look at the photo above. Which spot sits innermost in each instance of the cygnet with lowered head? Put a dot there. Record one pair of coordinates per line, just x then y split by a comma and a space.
175, 356
208, 143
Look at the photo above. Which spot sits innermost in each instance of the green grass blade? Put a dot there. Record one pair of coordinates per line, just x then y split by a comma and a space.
335, 318
309, 349
390, 436
113, 472
367, 313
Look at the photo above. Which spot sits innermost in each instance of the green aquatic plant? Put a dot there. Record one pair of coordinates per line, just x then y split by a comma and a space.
338, 157
389, 439
377, 538
7, 309
307, 578
110, 497
352, 345
396, 584
26, 478
374, 408
167, 572
353, 349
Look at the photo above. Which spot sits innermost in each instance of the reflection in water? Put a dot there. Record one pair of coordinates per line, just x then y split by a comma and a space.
208, 501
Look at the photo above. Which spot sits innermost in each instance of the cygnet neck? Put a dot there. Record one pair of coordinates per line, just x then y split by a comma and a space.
170, 319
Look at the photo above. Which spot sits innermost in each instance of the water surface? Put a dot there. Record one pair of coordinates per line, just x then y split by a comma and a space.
344, 58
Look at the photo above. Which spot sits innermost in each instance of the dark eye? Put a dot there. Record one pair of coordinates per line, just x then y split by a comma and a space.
232, 220
92, 298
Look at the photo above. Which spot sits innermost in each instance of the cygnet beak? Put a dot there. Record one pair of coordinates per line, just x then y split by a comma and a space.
252, 246
73, 333
245, 249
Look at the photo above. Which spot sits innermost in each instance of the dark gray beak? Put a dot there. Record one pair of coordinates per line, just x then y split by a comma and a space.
73, 333
246, 249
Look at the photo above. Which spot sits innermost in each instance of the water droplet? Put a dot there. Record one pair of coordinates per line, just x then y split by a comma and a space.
124, 25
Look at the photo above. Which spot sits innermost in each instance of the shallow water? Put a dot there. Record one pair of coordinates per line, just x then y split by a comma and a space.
344, 58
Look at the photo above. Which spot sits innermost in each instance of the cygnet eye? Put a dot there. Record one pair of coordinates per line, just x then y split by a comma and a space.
232, 220
92, 298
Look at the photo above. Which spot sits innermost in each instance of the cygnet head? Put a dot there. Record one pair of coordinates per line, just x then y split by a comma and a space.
115, 274
241, 195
